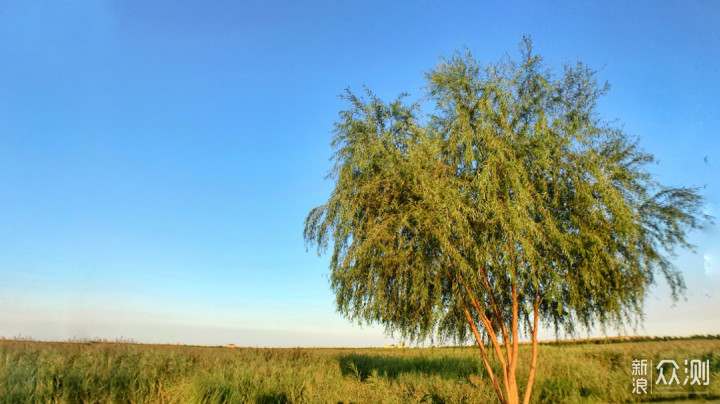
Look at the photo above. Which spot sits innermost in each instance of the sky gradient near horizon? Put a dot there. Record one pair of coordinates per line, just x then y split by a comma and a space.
158, 159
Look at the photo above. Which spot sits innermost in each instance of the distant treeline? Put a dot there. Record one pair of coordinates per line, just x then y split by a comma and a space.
617, 340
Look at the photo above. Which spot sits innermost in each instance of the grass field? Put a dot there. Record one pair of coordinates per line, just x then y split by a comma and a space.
57, 372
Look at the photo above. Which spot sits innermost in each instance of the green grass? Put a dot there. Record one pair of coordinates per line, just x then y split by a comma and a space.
55, 372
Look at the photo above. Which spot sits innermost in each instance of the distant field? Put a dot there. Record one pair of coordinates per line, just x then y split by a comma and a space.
594, 372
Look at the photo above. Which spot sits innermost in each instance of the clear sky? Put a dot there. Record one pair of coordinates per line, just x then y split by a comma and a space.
157, 159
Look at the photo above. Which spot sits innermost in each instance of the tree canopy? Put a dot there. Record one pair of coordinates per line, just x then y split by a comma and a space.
512, 201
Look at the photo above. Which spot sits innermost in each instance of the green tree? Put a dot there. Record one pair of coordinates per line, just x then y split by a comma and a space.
511, 204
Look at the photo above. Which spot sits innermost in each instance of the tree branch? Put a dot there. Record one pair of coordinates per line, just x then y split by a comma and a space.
478, 339
499, 317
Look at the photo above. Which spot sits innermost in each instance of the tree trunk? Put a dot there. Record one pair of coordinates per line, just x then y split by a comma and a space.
512, 390
513, 353
533, 360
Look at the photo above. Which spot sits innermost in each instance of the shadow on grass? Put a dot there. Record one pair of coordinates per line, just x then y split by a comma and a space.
272, 398
362, 366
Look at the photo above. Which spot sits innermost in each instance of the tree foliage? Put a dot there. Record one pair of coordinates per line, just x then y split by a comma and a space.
511, 199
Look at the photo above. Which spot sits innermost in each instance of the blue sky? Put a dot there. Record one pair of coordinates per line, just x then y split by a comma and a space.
157, 159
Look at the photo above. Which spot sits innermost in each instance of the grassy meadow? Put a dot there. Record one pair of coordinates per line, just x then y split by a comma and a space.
63, 372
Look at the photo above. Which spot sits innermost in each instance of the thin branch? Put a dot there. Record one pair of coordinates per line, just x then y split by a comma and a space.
486, 361
490, 330
499, 317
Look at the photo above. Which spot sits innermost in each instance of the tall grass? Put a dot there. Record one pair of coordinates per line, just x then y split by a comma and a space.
53, 372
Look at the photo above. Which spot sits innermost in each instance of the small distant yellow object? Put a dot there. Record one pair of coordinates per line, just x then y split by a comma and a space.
231, 345
394, 346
